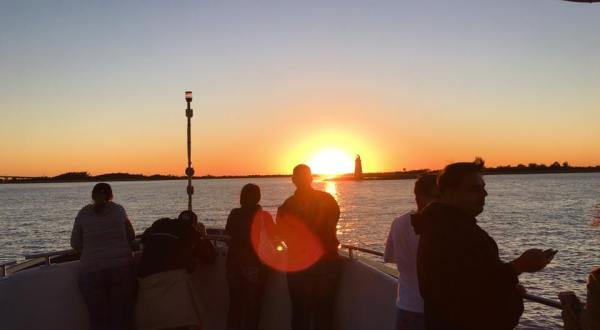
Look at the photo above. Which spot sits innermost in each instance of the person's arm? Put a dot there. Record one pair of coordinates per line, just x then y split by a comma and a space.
230, 223
388, 254
128, 226
531, 261
332, 217
77, 234
77, 237
130, 231
572, 309
590, 317
262, 233
269, 229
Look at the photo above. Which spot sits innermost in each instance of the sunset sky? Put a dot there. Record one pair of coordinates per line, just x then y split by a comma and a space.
98, 85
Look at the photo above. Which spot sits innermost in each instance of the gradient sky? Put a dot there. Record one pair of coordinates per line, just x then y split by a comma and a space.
98, 85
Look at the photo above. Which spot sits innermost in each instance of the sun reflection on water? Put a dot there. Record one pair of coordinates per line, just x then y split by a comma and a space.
331, 187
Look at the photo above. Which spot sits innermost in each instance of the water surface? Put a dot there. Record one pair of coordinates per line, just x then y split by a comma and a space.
522, 211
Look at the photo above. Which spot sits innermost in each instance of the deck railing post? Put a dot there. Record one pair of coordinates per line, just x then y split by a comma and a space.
3, 267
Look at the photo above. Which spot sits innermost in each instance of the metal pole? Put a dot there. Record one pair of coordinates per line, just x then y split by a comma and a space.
189, 171
543, 301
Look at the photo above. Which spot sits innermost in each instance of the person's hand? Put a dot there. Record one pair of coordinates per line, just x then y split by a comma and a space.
571, 310
532, 260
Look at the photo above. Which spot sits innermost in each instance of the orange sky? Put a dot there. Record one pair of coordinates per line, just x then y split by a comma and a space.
268, 144
404, 84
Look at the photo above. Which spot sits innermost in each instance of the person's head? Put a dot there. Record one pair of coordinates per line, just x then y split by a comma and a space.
102, 193
250, 195
425, 190
302, 177
462, 185
188, 217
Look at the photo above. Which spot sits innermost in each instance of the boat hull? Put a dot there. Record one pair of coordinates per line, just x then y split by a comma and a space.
48, 297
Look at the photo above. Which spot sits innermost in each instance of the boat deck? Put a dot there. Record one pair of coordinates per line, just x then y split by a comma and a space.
48, 297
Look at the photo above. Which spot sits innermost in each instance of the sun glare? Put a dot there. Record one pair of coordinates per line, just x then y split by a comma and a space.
331, 161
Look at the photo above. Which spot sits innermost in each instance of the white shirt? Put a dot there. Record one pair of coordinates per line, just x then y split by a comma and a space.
401, 249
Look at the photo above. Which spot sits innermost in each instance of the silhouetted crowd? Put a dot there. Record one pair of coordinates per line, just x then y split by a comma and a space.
450, 274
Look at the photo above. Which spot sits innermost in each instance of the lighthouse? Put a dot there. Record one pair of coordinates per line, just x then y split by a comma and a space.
358, 173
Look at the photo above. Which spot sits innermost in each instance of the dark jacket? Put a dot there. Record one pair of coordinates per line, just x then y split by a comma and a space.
319, 212
173, 244
463, 282
242, 252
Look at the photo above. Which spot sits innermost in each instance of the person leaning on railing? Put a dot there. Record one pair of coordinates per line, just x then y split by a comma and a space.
103, 233
578, 316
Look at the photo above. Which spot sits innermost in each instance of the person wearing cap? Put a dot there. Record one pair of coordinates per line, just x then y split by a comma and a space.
103, 233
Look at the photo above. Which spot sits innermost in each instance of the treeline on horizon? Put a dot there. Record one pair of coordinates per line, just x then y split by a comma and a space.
86, 176
531, 168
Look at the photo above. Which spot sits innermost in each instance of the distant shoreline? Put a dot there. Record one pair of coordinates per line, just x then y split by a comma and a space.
130, 178
491, 171
399, 175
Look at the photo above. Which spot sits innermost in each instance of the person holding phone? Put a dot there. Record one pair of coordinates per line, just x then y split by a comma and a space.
464, 283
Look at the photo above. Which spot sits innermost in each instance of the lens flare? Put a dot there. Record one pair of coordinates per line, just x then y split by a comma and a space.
288, 246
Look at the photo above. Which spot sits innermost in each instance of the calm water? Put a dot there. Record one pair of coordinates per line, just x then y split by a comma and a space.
522, 211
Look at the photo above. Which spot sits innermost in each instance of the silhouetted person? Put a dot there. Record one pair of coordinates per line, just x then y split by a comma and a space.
401, 249
462, 280
308, 221
171, 251
103, 233
203, 251
246, 273
579, 316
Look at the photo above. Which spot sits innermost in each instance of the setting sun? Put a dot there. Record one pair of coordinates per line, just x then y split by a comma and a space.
331, 161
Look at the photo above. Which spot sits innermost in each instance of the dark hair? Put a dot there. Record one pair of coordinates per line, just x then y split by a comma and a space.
426, 184
301, 169
453, 174
101, 194
189, 217
250, 195
104, 189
